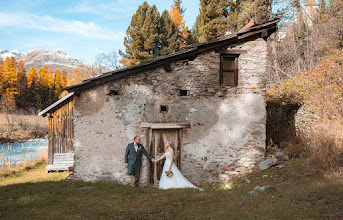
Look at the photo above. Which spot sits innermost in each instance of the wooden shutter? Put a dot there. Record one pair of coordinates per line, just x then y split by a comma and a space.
228, 70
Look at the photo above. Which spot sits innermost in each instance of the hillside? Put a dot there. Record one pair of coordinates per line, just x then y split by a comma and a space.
55, 59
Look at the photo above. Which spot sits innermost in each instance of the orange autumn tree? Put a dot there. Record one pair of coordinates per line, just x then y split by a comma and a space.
176, 15
319, 89
9, 89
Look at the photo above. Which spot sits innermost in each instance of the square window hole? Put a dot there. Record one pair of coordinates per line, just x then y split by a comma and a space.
164, 108
113, 92
184, 92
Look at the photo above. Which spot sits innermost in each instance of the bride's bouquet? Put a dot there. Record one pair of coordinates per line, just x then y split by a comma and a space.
169, 173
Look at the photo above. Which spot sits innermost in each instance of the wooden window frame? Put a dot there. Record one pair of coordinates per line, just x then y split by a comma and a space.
221, 75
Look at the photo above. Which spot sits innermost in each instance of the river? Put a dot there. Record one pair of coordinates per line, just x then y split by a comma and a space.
14, 153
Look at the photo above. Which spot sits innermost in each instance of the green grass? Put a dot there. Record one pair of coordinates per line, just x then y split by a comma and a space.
298, 193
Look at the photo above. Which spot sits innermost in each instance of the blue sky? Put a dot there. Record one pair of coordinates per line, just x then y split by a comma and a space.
80, 28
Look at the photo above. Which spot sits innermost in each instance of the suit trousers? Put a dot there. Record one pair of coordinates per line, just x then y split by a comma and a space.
134, 168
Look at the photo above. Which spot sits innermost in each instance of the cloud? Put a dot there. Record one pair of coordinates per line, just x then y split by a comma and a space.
48, 23
106, 10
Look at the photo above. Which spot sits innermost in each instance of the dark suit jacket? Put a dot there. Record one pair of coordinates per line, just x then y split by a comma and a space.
131, 156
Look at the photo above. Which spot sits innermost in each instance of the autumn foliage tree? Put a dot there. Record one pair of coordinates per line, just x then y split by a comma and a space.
30, 91
141, 41
168, 34
176, 14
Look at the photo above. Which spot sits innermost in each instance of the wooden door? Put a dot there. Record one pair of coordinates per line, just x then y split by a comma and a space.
158, 140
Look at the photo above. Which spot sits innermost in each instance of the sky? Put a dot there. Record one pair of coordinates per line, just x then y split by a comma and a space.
80, 28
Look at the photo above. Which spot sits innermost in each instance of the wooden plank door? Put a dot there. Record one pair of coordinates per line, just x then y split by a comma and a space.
158, 140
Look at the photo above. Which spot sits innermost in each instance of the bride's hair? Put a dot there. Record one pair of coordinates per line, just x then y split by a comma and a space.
170, 143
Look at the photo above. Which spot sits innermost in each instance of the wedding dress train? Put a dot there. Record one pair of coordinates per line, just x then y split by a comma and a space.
177, 180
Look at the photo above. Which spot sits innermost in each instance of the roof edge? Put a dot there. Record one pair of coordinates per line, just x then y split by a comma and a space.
56, 104
199, 47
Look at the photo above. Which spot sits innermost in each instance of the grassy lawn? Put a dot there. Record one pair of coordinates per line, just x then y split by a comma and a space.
297, 193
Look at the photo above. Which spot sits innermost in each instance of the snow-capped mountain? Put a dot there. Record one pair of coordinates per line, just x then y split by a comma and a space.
40, 57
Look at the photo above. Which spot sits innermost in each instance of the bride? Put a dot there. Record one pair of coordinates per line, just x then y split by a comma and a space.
177, 180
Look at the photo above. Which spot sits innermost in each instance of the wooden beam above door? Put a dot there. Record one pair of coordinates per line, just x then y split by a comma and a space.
165, 125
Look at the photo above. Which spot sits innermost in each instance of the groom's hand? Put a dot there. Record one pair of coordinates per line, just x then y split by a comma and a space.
153, 160
126, 165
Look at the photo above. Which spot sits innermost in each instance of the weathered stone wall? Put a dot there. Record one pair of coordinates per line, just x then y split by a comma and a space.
228, 124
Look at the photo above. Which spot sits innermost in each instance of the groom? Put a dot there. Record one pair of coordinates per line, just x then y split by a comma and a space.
133, 158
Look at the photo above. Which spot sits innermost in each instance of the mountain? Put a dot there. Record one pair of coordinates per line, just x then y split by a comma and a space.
40, 57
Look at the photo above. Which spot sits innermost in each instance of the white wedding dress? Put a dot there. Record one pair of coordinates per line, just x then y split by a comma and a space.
177, 180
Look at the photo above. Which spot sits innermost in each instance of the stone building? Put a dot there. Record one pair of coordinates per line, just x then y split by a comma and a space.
208, 98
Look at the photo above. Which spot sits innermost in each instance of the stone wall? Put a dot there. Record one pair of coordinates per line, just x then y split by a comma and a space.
228, 124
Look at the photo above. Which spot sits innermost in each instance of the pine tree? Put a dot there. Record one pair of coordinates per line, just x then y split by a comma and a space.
213, 19
32, 76
43, 77
176, 15
9, 89
32, 82
64, 75
1, 75
141, 41
50, 78
58, 82
168, 35
21, 97
259, 10
9, 77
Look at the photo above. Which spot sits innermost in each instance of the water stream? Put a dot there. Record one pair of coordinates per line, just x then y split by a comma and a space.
14, 153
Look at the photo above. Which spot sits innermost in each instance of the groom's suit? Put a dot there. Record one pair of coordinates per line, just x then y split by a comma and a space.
134, 159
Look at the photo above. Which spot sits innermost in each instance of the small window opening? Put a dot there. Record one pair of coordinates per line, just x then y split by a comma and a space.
164, 108
184, 92
228, 70
113, 92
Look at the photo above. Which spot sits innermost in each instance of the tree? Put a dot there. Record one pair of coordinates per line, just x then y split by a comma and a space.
259, 10
213, 20
141, 41
176, 16
168, 35
9, 89
58, 82
9, 77
32, 82
105, 62
22, 95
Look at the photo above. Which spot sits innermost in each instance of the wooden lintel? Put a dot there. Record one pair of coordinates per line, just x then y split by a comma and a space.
249, 34
238, 52
165, 125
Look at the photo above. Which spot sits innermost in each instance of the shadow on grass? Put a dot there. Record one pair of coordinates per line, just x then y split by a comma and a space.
296, 195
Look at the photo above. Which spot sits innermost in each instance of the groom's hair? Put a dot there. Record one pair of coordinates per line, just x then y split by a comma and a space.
135, 137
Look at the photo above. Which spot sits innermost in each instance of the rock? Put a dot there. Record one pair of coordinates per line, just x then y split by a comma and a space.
279, 153
302, 154
267, 163
220, 94
227, 186
193, 110
262, 188
247, 180
253, 193
280, 166
286, 158
265, 176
